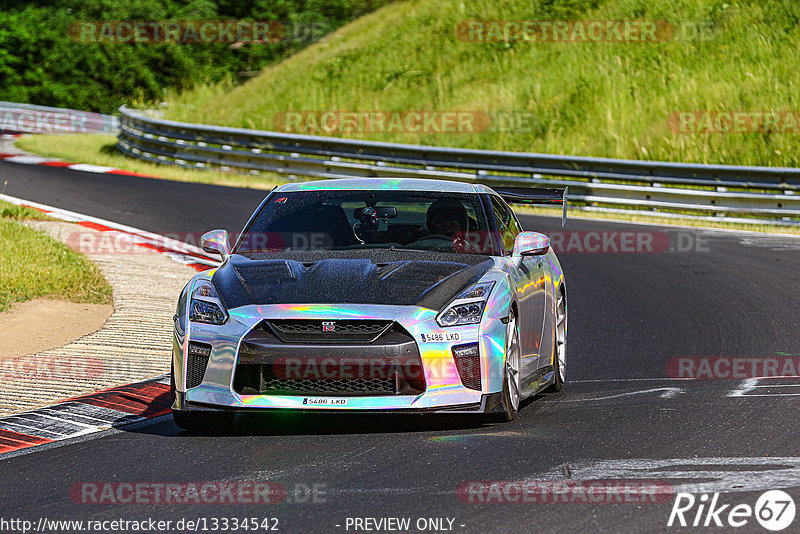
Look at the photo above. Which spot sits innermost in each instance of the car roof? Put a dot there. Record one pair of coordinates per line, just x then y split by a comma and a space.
398, 184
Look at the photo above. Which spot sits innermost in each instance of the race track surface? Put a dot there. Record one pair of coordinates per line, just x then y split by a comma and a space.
621, 414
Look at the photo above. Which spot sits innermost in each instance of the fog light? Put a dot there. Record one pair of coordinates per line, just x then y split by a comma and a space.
468, 363
197, 349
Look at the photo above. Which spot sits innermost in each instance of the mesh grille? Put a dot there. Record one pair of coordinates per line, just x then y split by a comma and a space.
469, 369
372, 386
195, 370
324, 331
260, 379
340, 327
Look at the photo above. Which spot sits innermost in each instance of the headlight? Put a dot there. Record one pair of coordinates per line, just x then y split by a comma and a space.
205, 306
466, 308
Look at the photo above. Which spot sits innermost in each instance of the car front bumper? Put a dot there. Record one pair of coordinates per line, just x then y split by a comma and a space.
444, 391
491, 403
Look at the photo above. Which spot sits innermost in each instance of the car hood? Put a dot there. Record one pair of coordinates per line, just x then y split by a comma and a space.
401, 277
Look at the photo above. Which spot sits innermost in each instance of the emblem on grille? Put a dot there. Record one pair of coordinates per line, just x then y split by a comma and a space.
328, 326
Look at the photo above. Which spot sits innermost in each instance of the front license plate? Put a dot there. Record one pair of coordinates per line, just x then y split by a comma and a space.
448, 336
324, 401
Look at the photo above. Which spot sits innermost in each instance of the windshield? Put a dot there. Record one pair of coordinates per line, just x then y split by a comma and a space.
342, 220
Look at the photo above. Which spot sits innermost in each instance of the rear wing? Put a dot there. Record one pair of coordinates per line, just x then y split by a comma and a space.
536, 195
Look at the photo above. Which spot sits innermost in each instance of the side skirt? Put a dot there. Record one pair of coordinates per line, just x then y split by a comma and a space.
538, 381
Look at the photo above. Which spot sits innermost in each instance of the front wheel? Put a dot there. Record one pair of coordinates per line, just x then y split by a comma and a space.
209, 421
511, 373
560, 345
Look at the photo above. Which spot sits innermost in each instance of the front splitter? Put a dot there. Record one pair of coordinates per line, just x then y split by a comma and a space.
490, 403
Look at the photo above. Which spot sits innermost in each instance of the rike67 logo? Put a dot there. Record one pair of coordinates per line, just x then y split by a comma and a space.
774, 510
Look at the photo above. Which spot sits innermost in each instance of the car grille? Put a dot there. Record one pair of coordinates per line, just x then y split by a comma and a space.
327, 331
294, 357
275, 385
269, 379
196, 364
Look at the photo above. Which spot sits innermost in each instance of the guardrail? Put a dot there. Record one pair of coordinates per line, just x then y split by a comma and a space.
28, 118
750, 194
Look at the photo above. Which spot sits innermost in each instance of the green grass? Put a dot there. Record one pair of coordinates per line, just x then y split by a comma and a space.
21, 213
593, 99
590, 99
33, 264
99, 149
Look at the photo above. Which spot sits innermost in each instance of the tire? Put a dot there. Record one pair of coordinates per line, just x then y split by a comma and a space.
206, 421
172, 393
560, 344
512, 394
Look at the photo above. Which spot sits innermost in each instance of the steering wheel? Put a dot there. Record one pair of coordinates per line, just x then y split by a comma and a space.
459, 244
432, 242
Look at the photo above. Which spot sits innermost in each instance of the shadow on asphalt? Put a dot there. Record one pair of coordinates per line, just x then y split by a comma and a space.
299, 424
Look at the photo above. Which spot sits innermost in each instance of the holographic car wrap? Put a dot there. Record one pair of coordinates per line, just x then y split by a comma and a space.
530, 298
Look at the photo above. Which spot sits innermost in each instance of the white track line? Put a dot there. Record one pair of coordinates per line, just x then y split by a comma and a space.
197, 254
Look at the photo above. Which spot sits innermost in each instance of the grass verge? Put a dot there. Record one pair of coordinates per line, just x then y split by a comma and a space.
33, 264
576, 97
100, 149
21, 213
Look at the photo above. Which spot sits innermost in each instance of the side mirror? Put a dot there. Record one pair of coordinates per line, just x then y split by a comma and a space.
531, 244
216, 242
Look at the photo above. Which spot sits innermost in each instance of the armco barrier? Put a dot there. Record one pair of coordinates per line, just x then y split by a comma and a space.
737, 193
28, 118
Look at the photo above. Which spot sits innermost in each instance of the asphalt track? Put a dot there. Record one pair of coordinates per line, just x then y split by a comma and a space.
630, 314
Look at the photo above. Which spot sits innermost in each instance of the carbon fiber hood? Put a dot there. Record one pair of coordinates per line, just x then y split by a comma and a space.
424, 279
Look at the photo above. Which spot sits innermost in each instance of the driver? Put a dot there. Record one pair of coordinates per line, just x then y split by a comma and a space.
447, 217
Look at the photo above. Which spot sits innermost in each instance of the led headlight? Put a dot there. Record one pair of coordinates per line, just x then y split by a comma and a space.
466, 308
205, 306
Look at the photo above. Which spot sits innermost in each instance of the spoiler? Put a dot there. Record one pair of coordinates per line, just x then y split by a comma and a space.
536, 195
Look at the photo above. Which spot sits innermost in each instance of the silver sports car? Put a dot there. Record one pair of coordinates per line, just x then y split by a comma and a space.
373, 295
